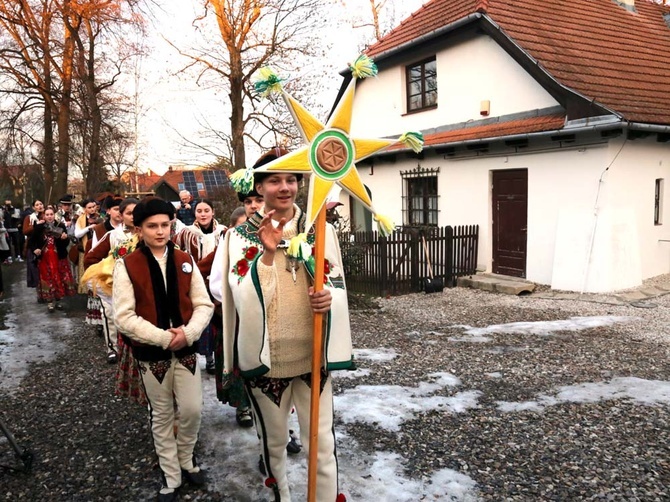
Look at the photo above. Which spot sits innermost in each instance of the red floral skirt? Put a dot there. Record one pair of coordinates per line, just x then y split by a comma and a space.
56, 280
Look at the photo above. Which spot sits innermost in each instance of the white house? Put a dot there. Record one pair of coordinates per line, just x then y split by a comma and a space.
547, 123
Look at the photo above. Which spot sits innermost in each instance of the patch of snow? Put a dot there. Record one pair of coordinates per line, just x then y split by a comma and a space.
544, 328
357, 373
32, 335
381, 354
646, 392
388, 406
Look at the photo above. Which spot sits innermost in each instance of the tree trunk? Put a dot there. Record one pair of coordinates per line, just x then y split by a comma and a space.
237, 113
60, 182
48, 147
95, 172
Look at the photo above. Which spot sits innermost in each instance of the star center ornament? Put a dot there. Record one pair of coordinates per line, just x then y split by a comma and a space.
330, 153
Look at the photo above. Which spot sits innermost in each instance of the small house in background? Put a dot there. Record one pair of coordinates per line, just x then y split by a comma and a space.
201, 183
546, 123
140, 184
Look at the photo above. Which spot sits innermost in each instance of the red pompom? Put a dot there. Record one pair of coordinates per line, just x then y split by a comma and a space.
341, 498
270, 482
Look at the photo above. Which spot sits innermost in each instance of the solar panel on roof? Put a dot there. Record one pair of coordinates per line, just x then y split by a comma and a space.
213, 180
190, 183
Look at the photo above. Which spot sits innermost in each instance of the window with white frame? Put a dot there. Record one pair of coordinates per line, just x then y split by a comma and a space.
420, 196
421, 80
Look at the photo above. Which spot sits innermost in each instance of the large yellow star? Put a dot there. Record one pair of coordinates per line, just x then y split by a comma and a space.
330, 154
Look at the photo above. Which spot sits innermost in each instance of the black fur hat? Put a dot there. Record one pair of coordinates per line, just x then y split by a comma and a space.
151, 206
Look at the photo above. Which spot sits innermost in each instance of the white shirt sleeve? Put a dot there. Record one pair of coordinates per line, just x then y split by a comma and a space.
217, 275
80, 232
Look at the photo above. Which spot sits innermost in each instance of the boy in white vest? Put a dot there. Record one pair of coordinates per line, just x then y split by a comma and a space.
270, 340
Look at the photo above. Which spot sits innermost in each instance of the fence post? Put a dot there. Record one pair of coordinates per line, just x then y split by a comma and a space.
449, 256
383, 265
415, 260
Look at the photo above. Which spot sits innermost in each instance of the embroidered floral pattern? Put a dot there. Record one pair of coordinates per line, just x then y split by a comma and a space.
327, 268
159, 369
273, 388
241, 268
307, 378
125, 248
251, 252
189, 362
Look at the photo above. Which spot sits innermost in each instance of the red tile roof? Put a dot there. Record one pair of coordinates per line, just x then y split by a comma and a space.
494, 130
597, 48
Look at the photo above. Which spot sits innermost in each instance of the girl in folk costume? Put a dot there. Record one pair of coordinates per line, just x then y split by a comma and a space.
199, 240
29, 222
98, 278
48, 243
100, 267
83, 231
161, 304
268, 303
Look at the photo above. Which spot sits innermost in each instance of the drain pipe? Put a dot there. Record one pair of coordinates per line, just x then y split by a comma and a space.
595, 220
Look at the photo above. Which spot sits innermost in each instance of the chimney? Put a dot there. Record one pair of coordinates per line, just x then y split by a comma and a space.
629, 5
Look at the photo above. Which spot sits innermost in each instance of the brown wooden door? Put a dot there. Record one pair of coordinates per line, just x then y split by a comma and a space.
510, 221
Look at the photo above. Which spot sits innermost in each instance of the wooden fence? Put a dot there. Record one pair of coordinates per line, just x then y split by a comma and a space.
400, 263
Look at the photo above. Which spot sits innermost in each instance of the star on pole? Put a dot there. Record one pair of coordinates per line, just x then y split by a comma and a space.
330, 153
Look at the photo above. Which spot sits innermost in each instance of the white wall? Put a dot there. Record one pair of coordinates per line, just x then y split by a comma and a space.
467, 73
562, 190
629, 183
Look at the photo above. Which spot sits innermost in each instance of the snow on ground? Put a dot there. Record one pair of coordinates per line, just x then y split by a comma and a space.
646, 392
31, 334
231, 453
541, 328
388, 406
380, 354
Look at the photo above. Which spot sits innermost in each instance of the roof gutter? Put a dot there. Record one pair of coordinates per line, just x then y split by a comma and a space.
640, 126
529, 135
605, 126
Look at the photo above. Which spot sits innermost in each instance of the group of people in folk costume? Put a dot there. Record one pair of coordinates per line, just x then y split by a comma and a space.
167, 292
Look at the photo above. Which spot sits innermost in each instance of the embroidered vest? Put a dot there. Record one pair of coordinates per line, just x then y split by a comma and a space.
145, 303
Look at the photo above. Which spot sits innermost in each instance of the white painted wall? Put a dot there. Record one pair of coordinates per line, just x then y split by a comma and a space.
629, 183
562, 190
467, 73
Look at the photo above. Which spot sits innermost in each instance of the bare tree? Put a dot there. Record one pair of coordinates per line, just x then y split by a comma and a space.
26, 60
254, 33
102, 53
51, 60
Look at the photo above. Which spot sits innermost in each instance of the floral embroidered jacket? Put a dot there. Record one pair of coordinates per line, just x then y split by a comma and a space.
234, 281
